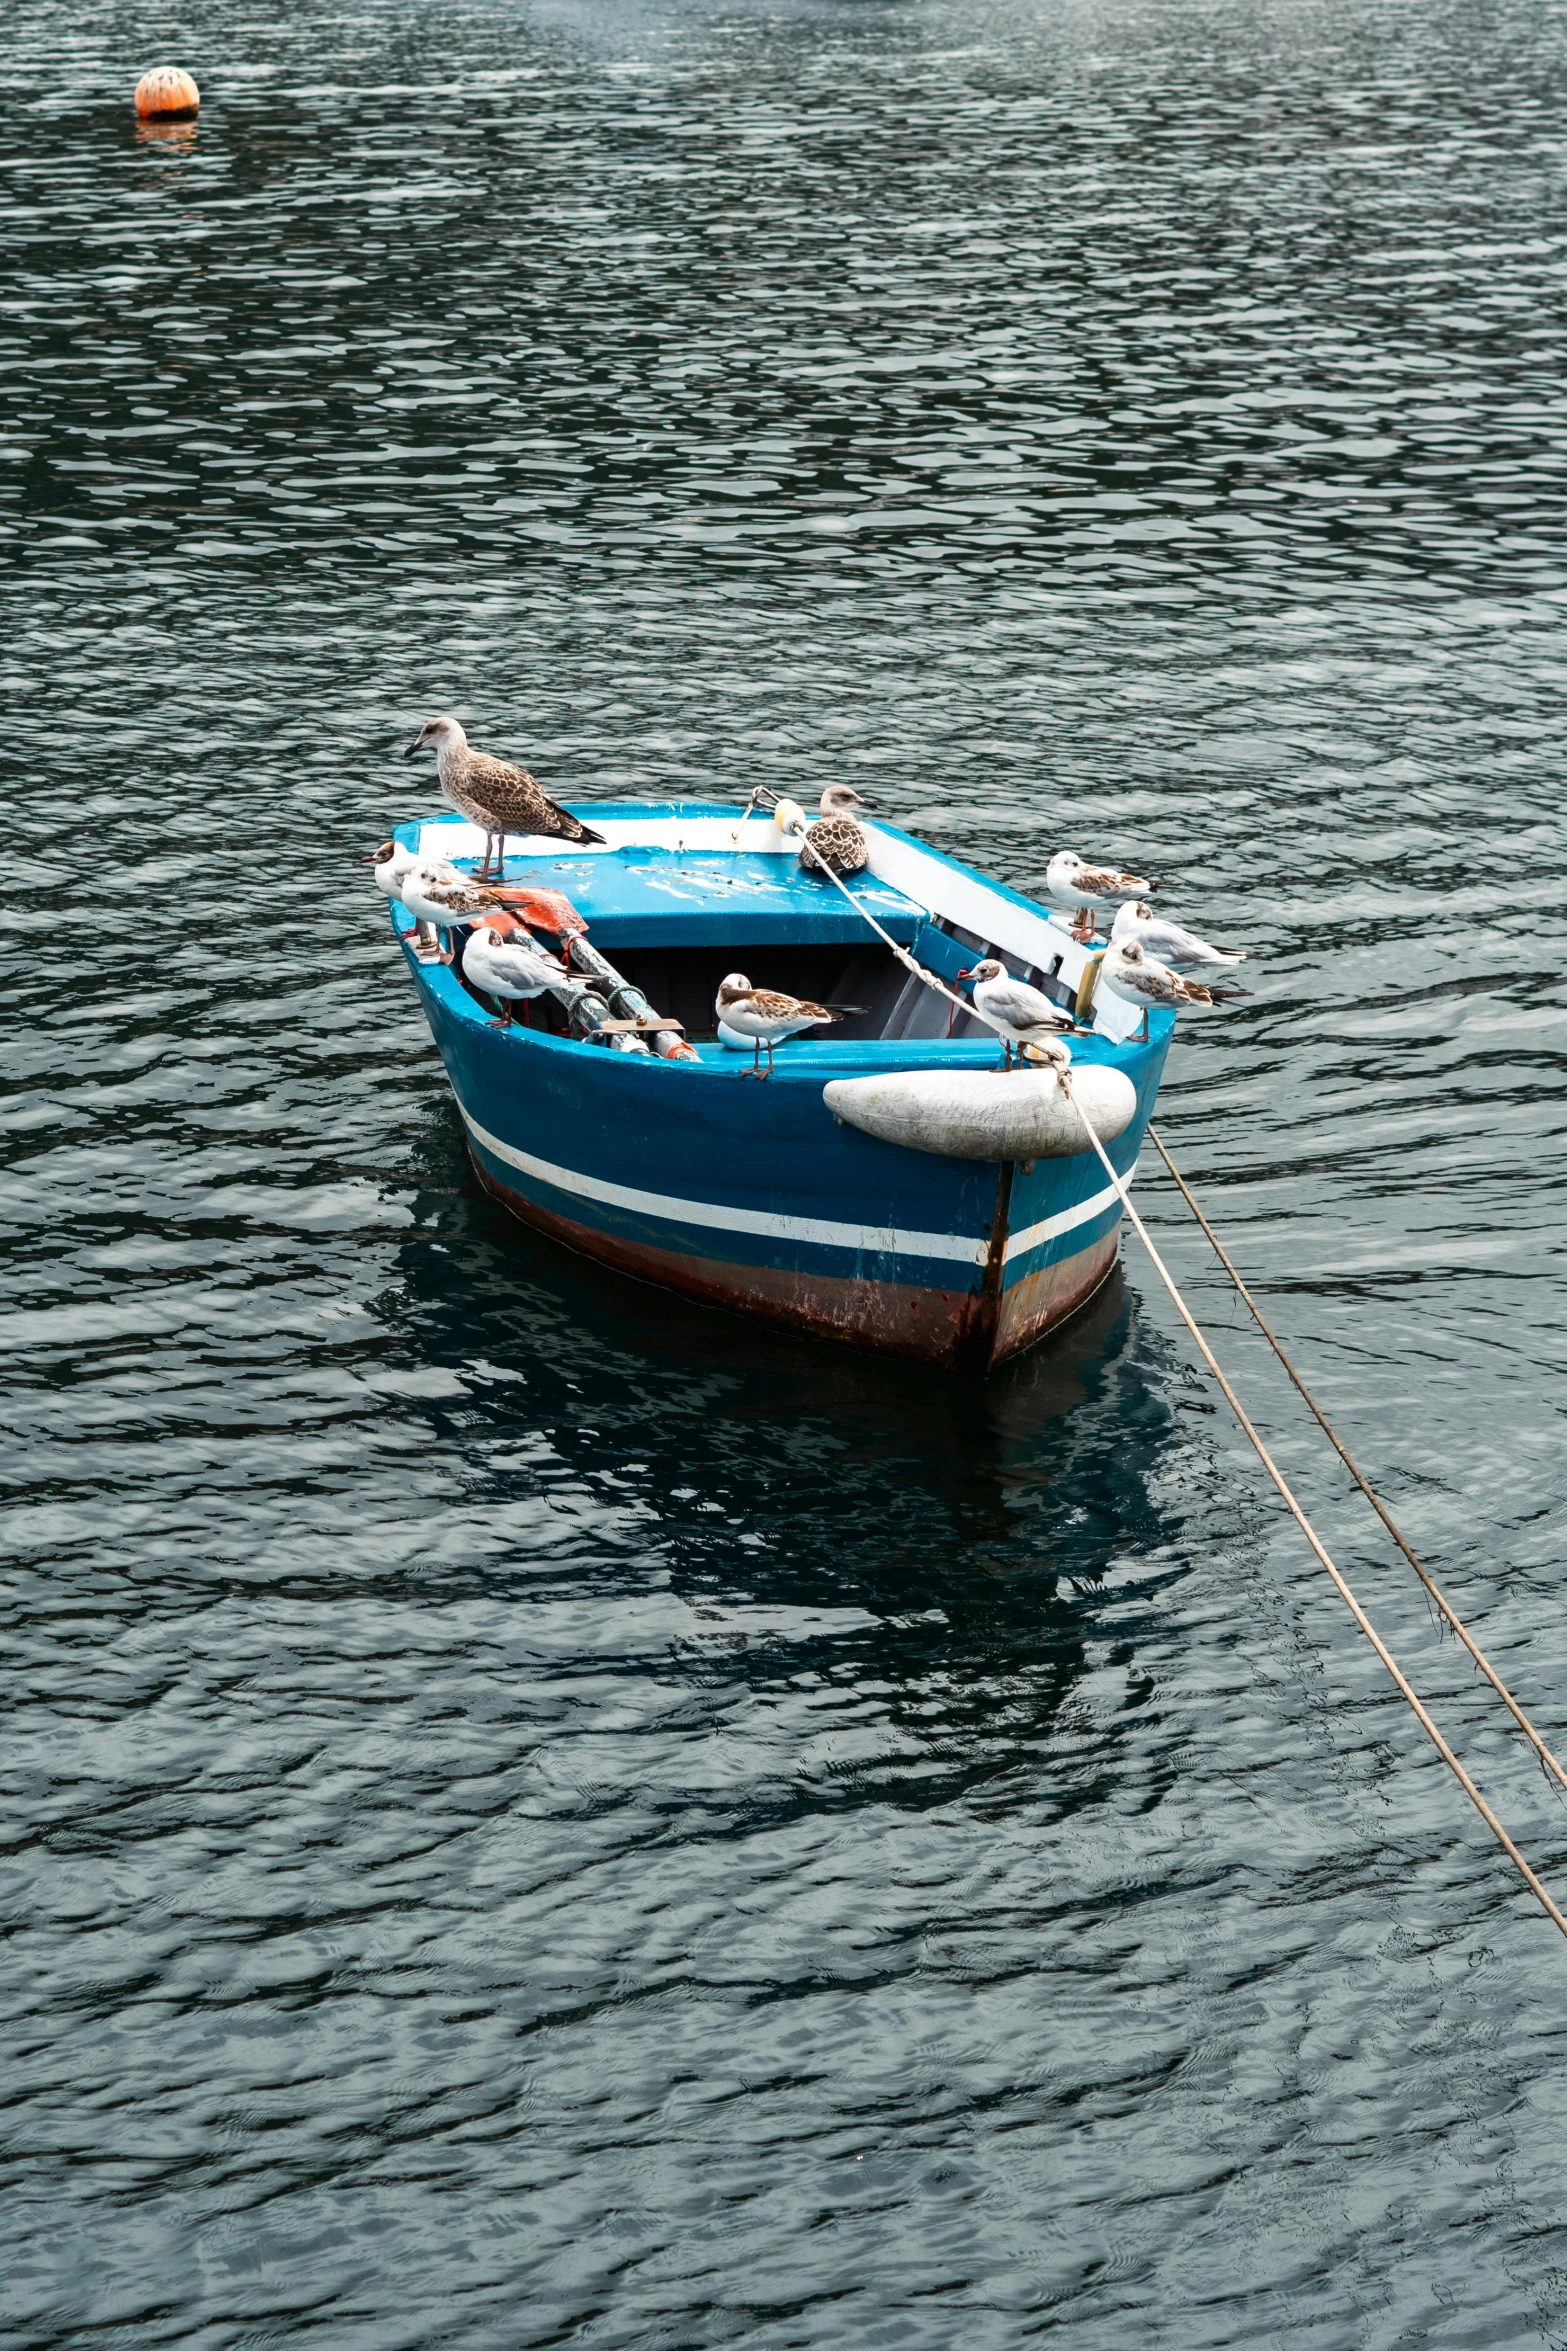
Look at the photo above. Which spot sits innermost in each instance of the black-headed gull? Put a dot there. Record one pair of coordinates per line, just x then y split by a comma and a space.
508, 966
1087, 890
1127, 972
1023, 1013
765, 1016
428, 895
1171, 943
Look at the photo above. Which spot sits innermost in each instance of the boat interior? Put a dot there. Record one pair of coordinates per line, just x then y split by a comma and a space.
724, 894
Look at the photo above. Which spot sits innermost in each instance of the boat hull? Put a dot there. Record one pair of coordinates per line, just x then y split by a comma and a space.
734, 1194
755, 1197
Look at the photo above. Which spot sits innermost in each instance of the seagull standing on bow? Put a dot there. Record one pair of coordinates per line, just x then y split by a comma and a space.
1087, 890
1171, 943
1023, 1014
835, 840
765, 1016
1129, 973
508, 965
432, 898
393, 863
495, 795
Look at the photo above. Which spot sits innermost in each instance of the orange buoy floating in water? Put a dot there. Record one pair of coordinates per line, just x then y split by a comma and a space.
166, 92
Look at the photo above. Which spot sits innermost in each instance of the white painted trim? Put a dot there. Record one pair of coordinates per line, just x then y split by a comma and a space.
882, 1240
454, 837
1050, 1228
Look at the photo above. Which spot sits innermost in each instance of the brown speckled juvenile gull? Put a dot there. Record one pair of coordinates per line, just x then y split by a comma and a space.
835, 839
492, 793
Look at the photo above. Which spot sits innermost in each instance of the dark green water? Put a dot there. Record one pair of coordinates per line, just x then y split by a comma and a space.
535, 1815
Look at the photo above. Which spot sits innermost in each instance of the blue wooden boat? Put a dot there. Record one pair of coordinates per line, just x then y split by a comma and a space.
771, 1198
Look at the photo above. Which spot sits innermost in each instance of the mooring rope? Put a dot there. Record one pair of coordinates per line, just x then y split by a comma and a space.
1405, 1687
1401, 1680
1449, 1612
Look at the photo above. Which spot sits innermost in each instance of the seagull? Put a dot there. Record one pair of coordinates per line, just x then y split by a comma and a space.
508, 966
492, 793
1169, 943
1085, 889
1025, 1016
1138, 980
393, 860
764, 1016
428, 894
835, 840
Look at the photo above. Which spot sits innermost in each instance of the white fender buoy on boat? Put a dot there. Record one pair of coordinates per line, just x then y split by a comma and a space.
977, 1114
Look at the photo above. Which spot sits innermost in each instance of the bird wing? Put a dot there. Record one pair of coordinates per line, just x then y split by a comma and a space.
455, 897
519, 801
1112, 883
772, 1004
515, 963
1152, 984
1021, 1006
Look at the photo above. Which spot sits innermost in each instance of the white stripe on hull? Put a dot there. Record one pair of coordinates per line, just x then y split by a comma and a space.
824, 1232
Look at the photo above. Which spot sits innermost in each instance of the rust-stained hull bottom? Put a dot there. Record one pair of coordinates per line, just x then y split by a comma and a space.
956, 1330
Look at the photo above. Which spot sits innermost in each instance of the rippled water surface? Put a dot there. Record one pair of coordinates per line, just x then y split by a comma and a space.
536, 1814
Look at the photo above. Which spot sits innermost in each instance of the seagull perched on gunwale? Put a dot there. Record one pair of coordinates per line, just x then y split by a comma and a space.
492, 793
1128, 972
1025, 1016
429, 895
510, 967
835, 840
1171, 943
1087, 890
765, 1016
394, 859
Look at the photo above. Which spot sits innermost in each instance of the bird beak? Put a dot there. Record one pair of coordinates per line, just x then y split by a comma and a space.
965, 975
416, 745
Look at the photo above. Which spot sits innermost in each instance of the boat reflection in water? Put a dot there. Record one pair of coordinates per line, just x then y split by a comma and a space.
804, 1510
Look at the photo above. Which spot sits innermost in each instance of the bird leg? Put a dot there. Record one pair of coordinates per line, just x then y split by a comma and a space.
445, 952
505, 1020
1083, 928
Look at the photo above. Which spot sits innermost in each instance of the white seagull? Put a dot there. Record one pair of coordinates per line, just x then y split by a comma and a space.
1025, 1015
429, 895
1169, 942
509, 966
1086, 890
393, 860
765, 1016
1138, 980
